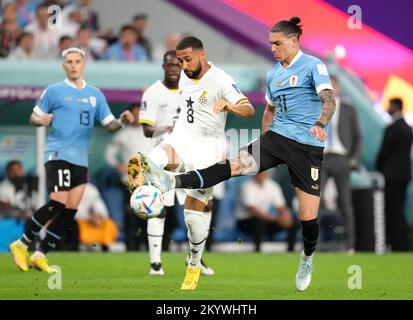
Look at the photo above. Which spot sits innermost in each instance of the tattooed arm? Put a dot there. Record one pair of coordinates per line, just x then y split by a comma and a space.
329, 107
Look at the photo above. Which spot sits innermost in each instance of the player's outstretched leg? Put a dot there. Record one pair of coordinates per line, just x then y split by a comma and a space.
142, 170
135, 172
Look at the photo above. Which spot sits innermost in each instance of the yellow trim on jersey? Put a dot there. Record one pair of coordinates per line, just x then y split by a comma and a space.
173, 90
144, 121
195, 80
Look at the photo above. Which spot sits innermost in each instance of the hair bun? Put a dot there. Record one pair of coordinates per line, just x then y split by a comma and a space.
295, 20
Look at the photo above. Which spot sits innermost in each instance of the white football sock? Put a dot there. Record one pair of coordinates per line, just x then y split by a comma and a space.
197, 234
155, 230
159, 156
21, 243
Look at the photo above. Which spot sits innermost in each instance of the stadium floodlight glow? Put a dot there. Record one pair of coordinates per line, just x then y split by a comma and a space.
340, 51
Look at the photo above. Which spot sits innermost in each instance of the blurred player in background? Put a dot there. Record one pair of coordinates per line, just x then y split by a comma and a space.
197, 140
71, 108
300, 103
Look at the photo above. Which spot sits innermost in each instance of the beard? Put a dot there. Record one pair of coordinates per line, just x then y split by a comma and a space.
194, 74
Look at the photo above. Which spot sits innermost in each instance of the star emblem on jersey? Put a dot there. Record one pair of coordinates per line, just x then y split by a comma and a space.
189, 102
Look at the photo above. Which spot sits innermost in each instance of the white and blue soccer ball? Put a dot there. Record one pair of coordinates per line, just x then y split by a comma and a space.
146, 202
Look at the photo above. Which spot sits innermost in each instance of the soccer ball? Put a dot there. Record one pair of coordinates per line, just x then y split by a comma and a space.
146, 202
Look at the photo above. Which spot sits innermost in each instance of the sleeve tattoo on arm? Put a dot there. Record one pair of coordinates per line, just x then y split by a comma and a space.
329, 105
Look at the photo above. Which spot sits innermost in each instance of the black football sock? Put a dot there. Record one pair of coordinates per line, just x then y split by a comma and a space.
62, 221
39, 219
204, 178
310, 235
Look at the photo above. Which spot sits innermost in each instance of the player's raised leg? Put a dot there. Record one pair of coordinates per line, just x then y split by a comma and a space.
308, 210
149, 169
243, 164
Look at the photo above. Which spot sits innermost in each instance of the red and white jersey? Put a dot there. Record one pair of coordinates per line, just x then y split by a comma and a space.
198, 98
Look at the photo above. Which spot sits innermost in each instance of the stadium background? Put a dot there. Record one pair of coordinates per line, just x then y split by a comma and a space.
234, 33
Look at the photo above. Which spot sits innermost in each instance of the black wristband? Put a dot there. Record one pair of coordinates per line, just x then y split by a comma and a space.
319, 124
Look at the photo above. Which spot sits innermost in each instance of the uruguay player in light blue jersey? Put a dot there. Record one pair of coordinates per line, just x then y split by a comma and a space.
71, 108
300, 103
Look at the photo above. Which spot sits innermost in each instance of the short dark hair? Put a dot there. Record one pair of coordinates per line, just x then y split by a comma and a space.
64, 38
23, 35
127, 27
397, 102
11, 163
190, 42
169, 53
83, 27
43, 5
289, 27
140, 16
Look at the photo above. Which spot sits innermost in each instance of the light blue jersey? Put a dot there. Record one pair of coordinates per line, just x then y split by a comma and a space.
293, 92
74, 113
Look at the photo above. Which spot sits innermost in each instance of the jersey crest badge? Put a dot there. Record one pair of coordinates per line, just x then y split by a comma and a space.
322, 69
293, 80
314, 173
93, 101
203, 99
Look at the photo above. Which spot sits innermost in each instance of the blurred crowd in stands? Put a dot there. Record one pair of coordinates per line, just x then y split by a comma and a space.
29, 30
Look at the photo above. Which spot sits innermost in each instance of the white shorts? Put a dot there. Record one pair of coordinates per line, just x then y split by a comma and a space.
197, 151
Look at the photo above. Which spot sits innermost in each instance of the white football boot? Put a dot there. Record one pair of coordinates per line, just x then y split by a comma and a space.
305, 269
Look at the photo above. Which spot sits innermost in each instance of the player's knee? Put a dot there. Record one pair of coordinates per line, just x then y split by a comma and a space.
247, 164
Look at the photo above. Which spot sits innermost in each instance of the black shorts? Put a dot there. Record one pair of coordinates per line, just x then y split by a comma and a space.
303, 161
64, 176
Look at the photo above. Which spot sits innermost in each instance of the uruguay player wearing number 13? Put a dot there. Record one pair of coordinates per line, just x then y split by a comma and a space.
71, 108
300, 103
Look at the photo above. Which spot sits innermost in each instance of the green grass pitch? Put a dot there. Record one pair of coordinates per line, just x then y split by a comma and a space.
242, 276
